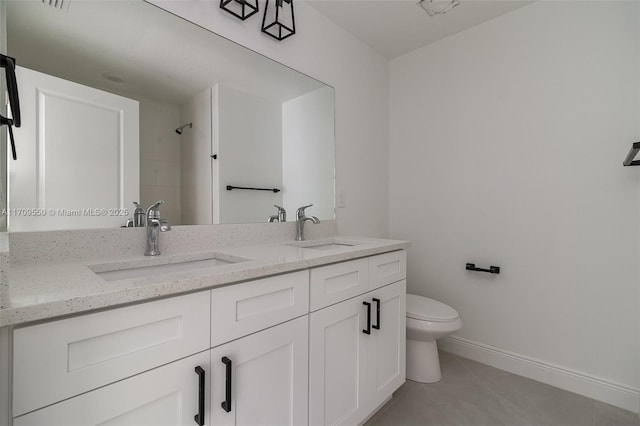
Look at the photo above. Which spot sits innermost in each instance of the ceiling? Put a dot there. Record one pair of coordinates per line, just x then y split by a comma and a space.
396, 27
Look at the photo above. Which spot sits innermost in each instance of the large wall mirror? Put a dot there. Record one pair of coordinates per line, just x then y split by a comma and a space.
205, 113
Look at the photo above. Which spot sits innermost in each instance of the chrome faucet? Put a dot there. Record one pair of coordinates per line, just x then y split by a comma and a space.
139, 217
155, 225
301, 218
280, 217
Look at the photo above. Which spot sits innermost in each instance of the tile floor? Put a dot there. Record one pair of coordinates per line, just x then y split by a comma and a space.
475, 394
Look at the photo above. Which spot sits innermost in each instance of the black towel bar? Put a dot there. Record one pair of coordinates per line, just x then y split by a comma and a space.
229, 188
629, 161
492, 269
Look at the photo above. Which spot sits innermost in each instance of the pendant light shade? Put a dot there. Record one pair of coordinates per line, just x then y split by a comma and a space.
278, 20
240, 8
437, 7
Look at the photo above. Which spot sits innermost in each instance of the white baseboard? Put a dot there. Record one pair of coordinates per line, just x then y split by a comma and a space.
617, 394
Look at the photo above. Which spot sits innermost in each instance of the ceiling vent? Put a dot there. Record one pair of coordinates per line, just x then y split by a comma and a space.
62, 5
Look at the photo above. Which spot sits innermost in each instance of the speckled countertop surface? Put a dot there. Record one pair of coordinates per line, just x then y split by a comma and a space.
48, 290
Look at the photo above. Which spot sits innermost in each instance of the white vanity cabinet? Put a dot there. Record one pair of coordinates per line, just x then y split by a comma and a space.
281, 350
357, 346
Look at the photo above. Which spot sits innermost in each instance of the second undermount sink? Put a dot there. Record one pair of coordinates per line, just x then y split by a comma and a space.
326, 244
330, 246
165, 268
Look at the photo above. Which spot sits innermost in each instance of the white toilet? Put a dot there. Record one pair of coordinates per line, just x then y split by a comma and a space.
427, 320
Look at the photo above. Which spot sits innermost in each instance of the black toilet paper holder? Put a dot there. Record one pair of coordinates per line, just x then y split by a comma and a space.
492, 269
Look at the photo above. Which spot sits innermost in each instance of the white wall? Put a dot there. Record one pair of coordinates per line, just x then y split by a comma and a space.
308, 151
249, 155
506, 148
359, 75
160, 158
196, 195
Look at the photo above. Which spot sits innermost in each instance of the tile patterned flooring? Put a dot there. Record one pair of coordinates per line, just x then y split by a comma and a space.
475, 394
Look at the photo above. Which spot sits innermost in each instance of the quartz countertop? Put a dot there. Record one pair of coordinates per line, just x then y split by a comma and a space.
49, 290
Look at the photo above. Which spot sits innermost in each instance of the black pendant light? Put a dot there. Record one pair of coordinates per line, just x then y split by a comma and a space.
278, 20
240, 8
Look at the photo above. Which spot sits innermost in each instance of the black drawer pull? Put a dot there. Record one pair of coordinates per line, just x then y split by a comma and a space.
226, 404
368, 329
199, 418
377, 325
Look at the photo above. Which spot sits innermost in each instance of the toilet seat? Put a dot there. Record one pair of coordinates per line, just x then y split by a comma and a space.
425, 309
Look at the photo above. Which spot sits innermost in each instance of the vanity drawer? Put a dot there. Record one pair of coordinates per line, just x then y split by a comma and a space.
334, 283
166, 395
242, 309
60, 359
387, 268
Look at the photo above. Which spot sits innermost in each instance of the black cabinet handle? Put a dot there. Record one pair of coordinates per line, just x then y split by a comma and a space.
368, 329
199, 418
9, 64
377, 325
226, 404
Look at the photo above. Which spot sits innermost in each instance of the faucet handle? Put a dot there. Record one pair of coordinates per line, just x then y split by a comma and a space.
282, 213
300, 213
153, 212
156, 205
165, 225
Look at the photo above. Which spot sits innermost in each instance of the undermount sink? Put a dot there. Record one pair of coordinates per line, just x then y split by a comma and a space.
166, 268
330, 246
325, 244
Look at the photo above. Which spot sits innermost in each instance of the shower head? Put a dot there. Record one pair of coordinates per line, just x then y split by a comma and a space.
179, 129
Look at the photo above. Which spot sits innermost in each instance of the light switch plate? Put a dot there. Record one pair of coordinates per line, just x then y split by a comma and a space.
342, 199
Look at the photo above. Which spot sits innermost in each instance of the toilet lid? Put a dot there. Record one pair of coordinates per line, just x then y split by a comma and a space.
423, 308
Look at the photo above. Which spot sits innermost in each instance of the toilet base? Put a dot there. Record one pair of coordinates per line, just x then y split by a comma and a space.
423, 363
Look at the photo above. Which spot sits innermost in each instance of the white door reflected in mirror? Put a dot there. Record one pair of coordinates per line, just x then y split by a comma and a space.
78, 165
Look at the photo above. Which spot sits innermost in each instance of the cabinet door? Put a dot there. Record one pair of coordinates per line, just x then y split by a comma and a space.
387, 346
269, 377
168, 395
337, 364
